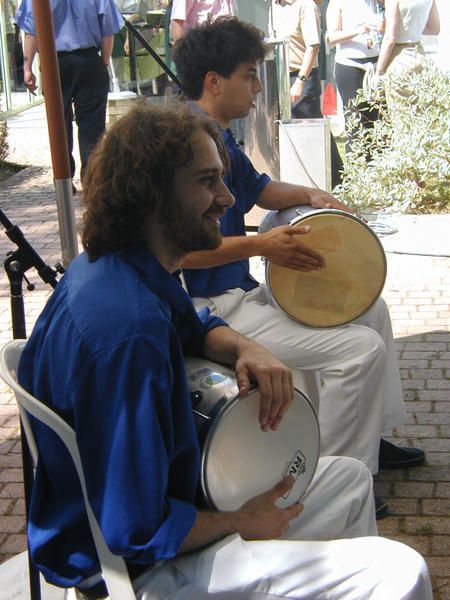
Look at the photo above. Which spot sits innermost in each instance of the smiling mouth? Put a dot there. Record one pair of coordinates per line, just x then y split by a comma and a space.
214, 218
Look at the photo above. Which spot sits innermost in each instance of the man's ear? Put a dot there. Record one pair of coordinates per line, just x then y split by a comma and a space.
212, 83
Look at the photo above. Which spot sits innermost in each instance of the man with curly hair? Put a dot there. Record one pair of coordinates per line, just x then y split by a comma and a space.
107, 355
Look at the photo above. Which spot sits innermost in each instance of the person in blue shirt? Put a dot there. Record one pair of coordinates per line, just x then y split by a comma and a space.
107, 354
361, 395
84, 36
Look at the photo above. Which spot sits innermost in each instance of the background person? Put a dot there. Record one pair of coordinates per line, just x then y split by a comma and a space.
406, 22
306, 90
115, 371
84, 36
355, 27
361, 396
191, 13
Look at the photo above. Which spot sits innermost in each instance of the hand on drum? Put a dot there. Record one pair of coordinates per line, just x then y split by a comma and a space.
274, 380
321, 199
282, 246
260, 519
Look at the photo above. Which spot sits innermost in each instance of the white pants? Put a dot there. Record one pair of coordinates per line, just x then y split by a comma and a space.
303, 565
361, 393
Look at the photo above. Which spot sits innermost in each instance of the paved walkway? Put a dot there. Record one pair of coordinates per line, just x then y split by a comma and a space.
417, 291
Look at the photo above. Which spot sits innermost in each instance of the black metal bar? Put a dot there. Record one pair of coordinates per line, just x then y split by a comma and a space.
132, 29
133, 60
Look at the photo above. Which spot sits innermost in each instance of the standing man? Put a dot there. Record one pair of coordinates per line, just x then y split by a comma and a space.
84, 32
306, 91
191, 13
361, 396
107, 355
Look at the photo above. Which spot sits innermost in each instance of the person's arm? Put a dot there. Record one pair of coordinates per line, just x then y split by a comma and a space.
280, 245
392, 14
309, 58
252, 362
335, 33
433, 26
106, 49
176, 29
29, 52
277, 195
257, 519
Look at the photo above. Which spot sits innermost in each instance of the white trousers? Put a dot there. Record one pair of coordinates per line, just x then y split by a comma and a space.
361, 393
303, 565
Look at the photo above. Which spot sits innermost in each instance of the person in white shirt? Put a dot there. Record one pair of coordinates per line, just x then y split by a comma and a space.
406, 22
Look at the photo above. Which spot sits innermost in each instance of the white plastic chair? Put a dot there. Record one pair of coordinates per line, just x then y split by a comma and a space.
113, 567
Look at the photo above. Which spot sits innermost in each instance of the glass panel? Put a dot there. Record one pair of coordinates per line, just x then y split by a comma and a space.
13, 92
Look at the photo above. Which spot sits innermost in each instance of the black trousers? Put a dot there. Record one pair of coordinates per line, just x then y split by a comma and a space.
308, 107
349, 80
85, 86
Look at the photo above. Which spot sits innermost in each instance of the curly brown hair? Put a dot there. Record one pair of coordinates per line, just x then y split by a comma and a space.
130, 173
220, 46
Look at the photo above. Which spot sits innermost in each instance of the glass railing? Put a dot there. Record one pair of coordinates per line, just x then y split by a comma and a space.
13, 94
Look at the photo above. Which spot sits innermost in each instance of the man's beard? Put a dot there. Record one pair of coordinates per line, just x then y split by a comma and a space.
186, 232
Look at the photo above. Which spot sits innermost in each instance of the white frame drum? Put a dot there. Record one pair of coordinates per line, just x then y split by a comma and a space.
239, 461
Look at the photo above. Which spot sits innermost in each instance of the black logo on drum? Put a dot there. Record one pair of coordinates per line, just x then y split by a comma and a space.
295, 468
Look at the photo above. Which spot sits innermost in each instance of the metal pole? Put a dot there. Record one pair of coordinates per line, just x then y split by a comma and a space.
51, 84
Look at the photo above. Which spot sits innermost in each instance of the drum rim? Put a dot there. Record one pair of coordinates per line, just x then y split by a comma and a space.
227, 408
323, 211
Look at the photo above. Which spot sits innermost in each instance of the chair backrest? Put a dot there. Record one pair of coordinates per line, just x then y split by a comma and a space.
113, 567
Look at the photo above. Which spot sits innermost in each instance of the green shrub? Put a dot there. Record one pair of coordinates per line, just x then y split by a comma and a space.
4, 148
409, 147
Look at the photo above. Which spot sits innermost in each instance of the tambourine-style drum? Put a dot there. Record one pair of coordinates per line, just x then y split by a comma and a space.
239, 461
347, 286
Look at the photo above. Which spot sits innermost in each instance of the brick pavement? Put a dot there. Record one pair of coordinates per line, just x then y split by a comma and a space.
418, 293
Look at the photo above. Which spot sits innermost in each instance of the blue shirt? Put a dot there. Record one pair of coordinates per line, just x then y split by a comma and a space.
246, 184
107, 355
77, 23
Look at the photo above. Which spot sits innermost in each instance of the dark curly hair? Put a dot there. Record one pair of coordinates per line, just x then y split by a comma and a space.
130, 173
219, 46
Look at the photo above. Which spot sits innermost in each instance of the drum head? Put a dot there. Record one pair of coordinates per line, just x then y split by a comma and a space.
240, 461
346, 287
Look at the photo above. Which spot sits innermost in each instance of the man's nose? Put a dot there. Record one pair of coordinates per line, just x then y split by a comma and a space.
225, 198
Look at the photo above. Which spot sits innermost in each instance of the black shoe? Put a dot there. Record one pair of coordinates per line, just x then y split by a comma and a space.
381, 508
397, 457
74, 190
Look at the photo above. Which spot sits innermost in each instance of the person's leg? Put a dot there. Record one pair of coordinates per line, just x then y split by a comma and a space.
337, 165
67, 72
308, 107
349, 80
351, 513
300, 566
378, 318
90, 100
351, 361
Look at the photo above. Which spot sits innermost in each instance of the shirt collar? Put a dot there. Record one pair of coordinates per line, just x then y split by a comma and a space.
164, 284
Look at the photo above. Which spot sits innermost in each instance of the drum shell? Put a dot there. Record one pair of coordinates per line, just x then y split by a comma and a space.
327, 298
239, 464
